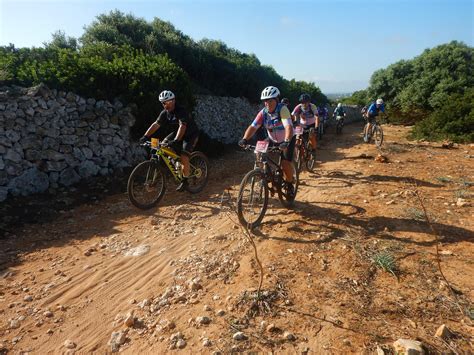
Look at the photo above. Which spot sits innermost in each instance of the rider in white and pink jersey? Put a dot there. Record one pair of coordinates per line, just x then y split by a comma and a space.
306, 114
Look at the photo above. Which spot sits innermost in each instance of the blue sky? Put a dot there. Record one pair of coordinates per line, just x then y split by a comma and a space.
337, 44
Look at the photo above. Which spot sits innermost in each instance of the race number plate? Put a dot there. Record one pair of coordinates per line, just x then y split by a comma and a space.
154, 142
261, 146
299, 130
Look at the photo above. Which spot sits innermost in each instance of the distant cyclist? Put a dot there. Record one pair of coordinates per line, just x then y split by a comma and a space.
182, 131
323, 117
322, 113
372, 112
276, 119
306, 114
339, 112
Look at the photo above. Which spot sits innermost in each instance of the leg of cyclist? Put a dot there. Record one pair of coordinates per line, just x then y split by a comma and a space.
287, 165
367, 128
186, 149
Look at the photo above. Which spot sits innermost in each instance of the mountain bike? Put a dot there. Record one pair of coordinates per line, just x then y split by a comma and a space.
147, 183
303, 149
375, 132
339, 124
265, 178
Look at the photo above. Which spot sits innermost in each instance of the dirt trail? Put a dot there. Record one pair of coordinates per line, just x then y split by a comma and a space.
77, 277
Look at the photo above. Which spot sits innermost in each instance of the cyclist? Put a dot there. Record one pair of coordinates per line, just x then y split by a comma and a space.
339, 112
323, 116
372, 112
322, 113
182, 132
285, 101
276, 119
307, 113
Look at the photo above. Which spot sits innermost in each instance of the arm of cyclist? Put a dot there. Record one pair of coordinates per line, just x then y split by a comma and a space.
249, 132
285, 116
149, 132
181, 131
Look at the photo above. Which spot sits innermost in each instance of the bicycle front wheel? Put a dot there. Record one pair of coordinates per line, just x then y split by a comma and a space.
310, 157
146, 185
199, 172
299, 156
378, 136
252, 201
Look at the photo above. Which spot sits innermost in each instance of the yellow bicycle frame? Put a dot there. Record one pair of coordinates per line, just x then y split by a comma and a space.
166, 153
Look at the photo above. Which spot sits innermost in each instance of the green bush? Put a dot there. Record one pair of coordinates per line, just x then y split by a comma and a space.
424, 83
212, 66
102, 71
454, 120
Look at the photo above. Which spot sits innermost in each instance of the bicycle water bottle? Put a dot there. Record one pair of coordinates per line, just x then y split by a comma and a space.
178, 168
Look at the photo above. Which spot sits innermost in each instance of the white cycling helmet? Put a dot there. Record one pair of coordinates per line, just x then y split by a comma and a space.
270, 92
379, 102
339, 105
166, 96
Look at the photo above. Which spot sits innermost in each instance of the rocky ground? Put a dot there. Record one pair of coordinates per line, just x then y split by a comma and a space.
351, 268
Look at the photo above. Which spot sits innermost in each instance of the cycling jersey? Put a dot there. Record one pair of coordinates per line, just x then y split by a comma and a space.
274, 122
306, 115
322, 112
374, 111
169, 122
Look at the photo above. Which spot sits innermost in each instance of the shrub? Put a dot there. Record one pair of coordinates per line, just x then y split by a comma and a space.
453, 121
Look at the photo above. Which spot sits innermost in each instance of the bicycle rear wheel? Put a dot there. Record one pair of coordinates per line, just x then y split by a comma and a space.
378, 135
146, 185
252, 201
285, 198
199, 172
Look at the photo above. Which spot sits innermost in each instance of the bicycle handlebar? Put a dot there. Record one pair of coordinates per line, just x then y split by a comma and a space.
269, 149
160, 144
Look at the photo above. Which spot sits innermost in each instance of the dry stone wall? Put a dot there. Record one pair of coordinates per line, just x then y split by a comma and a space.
224, 118
51, 138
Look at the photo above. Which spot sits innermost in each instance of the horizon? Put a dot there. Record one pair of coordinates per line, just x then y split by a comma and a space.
294, 51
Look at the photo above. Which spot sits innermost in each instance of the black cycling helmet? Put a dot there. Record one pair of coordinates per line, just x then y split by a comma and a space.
285, 101
305, 98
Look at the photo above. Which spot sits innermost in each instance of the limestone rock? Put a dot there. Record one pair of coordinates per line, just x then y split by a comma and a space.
31, 181
443, 332
68, 177
69, 344
408, 347
116, 340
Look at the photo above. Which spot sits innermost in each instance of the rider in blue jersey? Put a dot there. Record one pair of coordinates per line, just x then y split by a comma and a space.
372, 112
